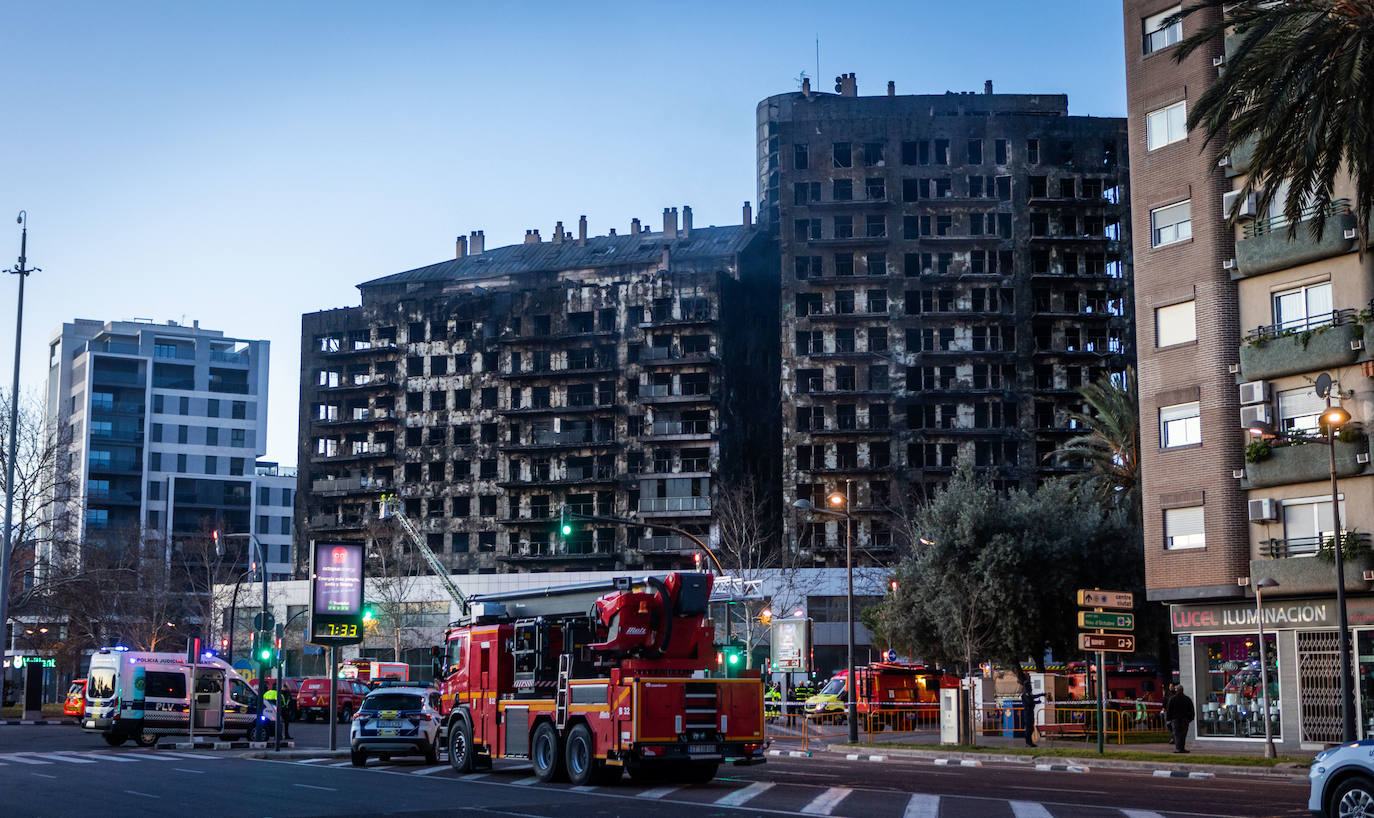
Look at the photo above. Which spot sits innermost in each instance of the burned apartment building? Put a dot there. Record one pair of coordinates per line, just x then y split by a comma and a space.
954, 268
618, 375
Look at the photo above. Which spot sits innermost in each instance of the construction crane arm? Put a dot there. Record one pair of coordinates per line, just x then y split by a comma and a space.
391, 507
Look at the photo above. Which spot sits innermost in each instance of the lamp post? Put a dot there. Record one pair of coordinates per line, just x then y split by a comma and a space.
1334, 417
841, 500
1267, 582
22, 270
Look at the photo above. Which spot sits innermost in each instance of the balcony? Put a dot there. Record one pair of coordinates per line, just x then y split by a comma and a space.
666, 430
1266, 245
594, 368
348, 485
328, 522
666, 356
541, 439
561, 552
1321, 342
665, 545
223, 356
1241, 157
362, 381
357, 451
667, 506
1305, 565
1289, 461
686, 318
361, 348
659, 394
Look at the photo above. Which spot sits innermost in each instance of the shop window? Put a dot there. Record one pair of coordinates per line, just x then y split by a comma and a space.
1230, 700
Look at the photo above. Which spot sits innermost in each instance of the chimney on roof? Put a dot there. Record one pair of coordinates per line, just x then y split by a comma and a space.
634, 227
476, 242
987, 86
686, 221
670, 223
847, 85
748, 215
531, 236
581, 230
558, 233
806, 86
612, 233
891, 88
462, 247
663, 265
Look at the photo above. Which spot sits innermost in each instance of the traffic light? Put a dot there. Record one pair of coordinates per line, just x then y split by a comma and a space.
369, 614
262, 648
893, 586
730, 660
565, 524
766, 616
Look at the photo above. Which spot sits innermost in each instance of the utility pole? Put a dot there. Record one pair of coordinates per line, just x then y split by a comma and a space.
22, 270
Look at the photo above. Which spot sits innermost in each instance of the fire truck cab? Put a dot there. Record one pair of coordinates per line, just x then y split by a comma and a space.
588, 681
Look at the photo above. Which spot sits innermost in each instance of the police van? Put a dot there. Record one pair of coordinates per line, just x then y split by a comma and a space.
142, 696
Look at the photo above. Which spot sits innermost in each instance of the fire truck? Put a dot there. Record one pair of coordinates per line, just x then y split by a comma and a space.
592, 680
891, 694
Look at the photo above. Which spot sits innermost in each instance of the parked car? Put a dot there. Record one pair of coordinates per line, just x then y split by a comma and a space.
312, 700
1342, 781
396, 721
75, 703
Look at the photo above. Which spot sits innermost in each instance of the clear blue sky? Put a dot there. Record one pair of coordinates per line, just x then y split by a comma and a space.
242, 163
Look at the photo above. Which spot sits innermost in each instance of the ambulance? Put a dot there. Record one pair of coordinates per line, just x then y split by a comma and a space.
143, 696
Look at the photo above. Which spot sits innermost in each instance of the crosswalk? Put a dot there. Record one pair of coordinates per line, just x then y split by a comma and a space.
773, 797
60, 757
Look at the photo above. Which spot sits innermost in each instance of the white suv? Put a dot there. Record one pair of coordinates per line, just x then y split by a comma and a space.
1342, 780
396, 721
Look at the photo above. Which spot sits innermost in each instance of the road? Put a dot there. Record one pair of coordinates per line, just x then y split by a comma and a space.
59, 771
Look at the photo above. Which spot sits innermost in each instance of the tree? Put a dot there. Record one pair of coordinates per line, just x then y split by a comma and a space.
1300, 88
1110, 447
394, 572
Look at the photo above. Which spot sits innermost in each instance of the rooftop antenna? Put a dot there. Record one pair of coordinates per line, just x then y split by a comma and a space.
818, 55
800, 78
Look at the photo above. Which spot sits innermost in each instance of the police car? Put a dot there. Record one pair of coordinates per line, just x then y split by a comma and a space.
1342, 781
396, 721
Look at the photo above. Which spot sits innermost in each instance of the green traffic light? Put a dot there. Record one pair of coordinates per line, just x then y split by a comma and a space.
734, 658
567, 529
265, 655
369, 614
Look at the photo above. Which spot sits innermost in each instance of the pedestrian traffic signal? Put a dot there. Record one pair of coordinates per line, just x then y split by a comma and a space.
369, 614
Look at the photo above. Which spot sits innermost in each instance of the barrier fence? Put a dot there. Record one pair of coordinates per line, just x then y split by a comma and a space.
1125, 722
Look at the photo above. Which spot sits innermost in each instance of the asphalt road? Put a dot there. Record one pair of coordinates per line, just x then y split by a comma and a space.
60, 771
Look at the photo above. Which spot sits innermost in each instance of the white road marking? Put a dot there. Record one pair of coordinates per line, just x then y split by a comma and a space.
184, 770
584, 788
922, 806
66, 758
23, 760
1028, 809
342, 764
313, 787
144, 794
44, 775
1140, 813
474, 776
657, 792
188, 755
382, 767
311, 760
429, 771
738, 797
113, 757
826, 802
525, 782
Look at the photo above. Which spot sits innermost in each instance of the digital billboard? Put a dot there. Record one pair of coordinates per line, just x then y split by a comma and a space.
336, 593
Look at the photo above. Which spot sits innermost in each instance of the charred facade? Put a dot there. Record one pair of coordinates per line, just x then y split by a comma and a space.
954, 267
617, 375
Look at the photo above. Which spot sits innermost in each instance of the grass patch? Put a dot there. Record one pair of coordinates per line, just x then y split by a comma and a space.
1089, 751
50, 710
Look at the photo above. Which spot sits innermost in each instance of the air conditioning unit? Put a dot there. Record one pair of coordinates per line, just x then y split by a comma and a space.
1238, 474
1262, 511
1228, 264
1253, 416
1254, 392
1234, 205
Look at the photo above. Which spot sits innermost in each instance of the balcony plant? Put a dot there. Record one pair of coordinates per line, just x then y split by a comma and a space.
1353, 547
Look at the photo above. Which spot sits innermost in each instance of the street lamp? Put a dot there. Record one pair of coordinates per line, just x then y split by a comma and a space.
1334, 417
841, 502
1267, 582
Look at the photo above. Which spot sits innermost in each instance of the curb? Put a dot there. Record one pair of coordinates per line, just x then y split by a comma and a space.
300, 754
958, 762
1067, 768
224, 745
862, 757
791, 753
1182, 774
17, 722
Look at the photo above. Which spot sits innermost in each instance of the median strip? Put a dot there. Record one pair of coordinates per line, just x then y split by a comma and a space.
1062, 768
1182, 774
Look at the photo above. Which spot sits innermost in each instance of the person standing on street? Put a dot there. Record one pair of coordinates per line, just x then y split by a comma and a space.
1180, 714
1028, 707
1164, 708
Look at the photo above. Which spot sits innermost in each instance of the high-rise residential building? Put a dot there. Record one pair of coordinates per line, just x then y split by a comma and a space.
166, 424
954, 268
618, 375
1236, 325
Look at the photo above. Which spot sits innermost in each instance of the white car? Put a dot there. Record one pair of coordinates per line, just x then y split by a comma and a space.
1342, 781
396, 721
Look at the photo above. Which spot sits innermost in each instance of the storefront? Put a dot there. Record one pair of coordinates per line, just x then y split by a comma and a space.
1219, 667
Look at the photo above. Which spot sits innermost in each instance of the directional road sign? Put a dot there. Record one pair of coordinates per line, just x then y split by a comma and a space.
1109, 621
1110, 642
1123, 600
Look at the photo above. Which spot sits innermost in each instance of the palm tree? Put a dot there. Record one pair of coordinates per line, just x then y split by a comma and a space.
1300, 86
1110, 446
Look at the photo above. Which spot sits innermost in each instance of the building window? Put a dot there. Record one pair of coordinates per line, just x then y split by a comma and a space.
1303, 307
1171, 224
1159, 36
1175, 324
1166, 126
1183, 528
1180, 425
1306, 523
1231, 695
799, 159
1300, 411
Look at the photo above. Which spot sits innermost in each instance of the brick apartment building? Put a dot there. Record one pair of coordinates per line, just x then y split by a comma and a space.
619, 375
1235, 325
954, 268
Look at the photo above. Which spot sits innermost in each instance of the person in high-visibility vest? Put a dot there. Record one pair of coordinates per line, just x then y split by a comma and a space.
772, 701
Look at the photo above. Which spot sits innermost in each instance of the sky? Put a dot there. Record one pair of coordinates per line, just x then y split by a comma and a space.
243, 163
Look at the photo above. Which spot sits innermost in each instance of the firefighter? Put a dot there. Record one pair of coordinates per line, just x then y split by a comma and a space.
772, 701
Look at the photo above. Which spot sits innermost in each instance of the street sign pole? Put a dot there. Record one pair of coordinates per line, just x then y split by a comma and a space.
1101, 700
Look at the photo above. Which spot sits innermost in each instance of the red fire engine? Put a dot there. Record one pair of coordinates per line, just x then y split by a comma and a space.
588, 681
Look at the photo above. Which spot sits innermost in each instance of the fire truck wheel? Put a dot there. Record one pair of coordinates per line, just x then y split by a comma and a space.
699, 772
114, 739
547, 754
460, 745
579, 755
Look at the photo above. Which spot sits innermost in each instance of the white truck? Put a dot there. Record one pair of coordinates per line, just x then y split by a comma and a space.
143, 696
